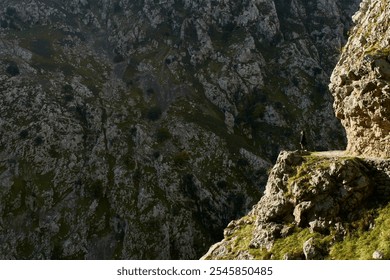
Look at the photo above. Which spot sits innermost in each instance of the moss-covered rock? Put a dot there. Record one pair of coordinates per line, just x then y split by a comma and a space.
315, 207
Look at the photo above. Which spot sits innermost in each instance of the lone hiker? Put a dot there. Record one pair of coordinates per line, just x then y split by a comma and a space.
303, 141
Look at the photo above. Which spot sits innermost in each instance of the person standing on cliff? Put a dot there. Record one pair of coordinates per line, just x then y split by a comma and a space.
303, 141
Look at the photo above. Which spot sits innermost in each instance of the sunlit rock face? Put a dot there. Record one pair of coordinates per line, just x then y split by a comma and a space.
361, 82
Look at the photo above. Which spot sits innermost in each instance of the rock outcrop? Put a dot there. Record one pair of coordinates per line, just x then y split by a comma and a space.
361, 82
313, 205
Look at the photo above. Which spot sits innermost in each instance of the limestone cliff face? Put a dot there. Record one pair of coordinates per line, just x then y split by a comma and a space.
138, 129
361, 82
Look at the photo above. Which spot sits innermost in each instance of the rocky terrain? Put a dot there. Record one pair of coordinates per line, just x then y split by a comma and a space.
332, 205
315, 206
360, 82
139, 129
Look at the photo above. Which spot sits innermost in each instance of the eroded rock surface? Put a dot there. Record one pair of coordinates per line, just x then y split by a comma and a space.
361, 82
139, 129
320, 194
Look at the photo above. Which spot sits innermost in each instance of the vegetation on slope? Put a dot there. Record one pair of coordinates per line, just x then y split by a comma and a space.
363, 233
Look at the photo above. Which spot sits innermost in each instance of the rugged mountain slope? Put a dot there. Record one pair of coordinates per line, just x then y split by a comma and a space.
138, 129
332, 205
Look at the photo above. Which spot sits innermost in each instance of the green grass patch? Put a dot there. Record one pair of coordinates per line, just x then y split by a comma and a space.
239, 240
293, 244
242, 238
363, 243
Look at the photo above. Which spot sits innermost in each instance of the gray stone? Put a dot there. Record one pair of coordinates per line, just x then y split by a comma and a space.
311, 251
377, 255
300, 212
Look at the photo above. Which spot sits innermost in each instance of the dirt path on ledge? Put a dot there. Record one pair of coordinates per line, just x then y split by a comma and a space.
341, 153
336, 153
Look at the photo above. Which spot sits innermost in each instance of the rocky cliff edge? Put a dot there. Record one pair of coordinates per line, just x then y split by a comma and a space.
316, 206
